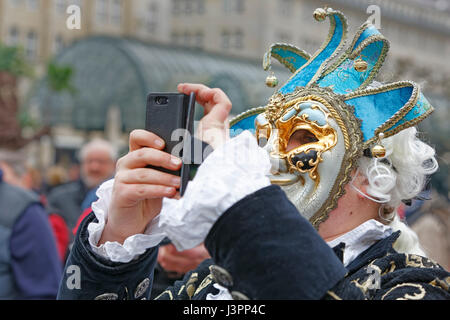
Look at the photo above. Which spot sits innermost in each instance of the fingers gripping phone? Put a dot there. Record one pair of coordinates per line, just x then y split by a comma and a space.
171, 117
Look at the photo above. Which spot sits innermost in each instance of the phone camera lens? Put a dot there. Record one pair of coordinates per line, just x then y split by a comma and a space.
161, 100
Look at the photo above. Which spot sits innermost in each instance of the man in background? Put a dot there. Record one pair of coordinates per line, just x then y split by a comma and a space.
98, 162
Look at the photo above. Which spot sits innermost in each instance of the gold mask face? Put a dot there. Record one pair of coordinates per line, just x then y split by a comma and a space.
304, 134
312, 139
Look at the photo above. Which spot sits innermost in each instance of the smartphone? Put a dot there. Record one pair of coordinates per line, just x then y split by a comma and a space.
171, 117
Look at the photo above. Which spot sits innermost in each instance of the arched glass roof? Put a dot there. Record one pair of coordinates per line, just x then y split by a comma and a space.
122, 72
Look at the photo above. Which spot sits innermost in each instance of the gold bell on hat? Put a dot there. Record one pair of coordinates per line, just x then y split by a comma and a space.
320, 14
379, 151
271, 81
360, 65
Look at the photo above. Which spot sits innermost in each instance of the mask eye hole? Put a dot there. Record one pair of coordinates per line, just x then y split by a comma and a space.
300, 138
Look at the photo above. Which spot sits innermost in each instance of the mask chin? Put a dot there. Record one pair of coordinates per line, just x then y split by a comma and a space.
286, 179
314, 201
303, 196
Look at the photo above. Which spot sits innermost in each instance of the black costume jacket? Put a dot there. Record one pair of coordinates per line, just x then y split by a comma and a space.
262, 248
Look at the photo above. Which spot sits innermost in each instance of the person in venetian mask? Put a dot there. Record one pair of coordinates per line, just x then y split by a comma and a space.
297, 202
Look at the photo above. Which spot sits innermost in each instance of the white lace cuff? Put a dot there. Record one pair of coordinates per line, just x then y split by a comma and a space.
233, 171
133, 246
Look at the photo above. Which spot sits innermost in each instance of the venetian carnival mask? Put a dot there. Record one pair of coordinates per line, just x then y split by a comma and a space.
324, 118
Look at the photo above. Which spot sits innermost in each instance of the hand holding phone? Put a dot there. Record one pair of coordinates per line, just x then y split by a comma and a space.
138, 192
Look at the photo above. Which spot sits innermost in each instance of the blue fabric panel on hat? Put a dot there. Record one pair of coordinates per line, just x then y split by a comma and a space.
345, 78
244, 124
374, 109
290, 57
368, 32
421, 108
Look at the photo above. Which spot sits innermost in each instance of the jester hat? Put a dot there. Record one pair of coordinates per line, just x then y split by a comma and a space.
330, 98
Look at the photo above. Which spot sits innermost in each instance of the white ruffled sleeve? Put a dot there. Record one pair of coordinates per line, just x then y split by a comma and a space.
233, 171
133, 246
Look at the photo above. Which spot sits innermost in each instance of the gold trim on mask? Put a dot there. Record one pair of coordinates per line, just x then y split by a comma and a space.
341, 113
278, 104
246, 114
326, 137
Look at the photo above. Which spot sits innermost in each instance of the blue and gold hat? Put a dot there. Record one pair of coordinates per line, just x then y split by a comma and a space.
329, 114
384, 110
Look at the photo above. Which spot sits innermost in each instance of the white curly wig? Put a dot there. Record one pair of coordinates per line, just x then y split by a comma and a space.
402, 177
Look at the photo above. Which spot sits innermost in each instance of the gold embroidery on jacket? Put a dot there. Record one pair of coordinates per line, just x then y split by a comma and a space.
334, 295
441, 283
190, 284
416, 261
204, 283
368, 282
407, 296
391, 269
168, 292
181, 289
